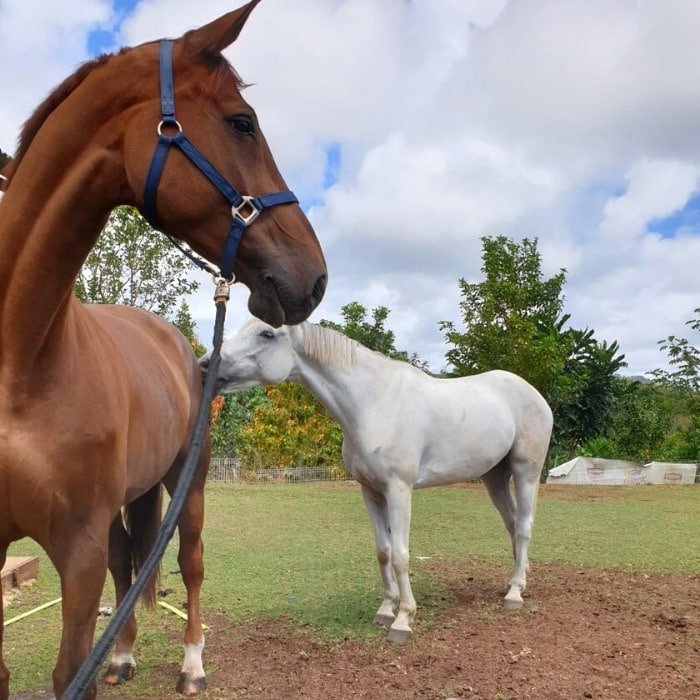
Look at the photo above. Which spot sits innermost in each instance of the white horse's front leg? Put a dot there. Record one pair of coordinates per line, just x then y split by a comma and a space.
377, 511
398, 501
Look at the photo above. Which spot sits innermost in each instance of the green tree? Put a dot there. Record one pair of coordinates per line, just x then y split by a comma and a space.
132, 264
683, 379
290, 429
585, 396
684, 359
512, 319
230, 414
185, 323
639, 424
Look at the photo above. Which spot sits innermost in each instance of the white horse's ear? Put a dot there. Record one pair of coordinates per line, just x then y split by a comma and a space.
214, 37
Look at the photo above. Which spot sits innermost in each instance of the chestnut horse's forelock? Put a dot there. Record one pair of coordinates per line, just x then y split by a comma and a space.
220, 69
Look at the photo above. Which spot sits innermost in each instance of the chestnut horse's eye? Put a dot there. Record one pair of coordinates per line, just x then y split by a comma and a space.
242, 125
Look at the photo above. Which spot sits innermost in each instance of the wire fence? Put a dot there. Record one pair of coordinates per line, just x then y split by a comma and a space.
229, 470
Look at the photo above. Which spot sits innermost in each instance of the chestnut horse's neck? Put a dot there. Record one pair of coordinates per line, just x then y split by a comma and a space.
64, 186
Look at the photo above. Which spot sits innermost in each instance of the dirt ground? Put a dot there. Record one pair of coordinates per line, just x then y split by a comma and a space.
601, 635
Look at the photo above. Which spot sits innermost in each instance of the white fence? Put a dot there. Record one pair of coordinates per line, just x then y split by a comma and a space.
228, 470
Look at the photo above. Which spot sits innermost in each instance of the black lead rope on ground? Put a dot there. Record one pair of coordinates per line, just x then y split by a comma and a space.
86, 673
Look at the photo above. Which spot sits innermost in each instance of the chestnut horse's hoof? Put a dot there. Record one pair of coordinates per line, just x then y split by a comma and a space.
398, 636
119, 673
384, 620
188, 685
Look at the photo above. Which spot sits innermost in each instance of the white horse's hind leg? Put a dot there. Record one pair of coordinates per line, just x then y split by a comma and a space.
376, 509
497, 482
526, 487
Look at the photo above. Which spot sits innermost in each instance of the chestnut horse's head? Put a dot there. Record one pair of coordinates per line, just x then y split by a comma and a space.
279, 257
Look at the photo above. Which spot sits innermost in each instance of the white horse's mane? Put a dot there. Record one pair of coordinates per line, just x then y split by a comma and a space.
327, 346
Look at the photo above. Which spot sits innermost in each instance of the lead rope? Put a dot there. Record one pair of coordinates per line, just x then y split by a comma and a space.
86, 673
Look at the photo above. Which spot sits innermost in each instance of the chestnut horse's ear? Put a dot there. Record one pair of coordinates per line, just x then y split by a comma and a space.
214, 37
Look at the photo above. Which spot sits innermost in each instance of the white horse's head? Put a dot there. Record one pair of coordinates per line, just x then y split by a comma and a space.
257, 354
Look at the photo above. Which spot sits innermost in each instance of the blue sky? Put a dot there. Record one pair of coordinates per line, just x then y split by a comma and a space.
570, 122
685, 219
102, 40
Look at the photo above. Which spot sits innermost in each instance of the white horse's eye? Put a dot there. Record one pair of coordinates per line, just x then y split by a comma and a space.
267, 334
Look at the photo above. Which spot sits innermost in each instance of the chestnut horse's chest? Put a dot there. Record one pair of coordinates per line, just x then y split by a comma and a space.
108, 418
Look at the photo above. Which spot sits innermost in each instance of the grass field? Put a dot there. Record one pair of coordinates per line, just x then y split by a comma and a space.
306, 552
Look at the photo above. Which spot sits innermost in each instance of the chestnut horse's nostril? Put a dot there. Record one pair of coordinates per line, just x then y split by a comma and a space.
319, 289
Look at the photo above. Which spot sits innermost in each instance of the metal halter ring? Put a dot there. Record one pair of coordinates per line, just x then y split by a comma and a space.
170, 122
249, 202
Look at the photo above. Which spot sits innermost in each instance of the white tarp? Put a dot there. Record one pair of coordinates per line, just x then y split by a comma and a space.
610, 472
670, 473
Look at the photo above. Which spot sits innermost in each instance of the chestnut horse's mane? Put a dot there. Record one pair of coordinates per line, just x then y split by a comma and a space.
42, 112
60, 93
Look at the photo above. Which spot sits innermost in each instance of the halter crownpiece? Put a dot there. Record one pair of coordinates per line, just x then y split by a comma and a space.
245, 209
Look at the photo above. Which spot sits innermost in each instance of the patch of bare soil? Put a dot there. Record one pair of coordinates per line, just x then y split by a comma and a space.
600, 635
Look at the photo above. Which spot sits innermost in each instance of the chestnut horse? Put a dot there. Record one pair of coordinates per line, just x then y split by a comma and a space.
97, 402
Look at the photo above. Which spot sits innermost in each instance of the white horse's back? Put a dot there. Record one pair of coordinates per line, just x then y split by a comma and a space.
432, 432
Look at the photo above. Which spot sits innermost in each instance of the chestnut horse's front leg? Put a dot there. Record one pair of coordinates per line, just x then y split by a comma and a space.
4, 673
81, 561
190, 558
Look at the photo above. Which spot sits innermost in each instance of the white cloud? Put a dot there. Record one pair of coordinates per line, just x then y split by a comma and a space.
573, 122
40, 44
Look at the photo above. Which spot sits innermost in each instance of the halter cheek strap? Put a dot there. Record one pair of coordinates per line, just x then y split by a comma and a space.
244, 209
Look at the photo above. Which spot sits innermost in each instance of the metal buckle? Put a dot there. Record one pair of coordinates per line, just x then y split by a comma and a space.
247, 219
223, 287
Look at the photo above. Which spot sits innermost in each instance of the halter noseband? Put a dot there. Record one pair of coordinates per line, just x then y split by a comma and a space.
245, 209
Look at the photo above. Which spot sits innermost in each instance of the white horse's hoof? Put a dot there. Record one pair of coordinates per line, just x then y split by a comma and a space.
384, 620
513, 600
398, 636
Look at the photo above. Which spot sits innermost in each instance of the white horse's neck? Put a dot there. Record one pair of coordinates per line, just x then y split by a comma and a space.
341, 373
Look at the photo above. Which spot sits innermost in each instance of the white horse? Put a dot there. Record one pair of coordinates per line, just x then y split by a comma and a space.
404, 429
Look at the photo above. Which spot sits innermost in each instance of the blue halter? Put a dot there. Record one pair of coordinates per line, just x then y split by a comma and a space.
245, 209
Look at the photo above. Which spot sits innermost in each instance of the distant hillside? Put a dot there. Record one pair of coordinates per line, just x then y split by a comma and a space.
639, 378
